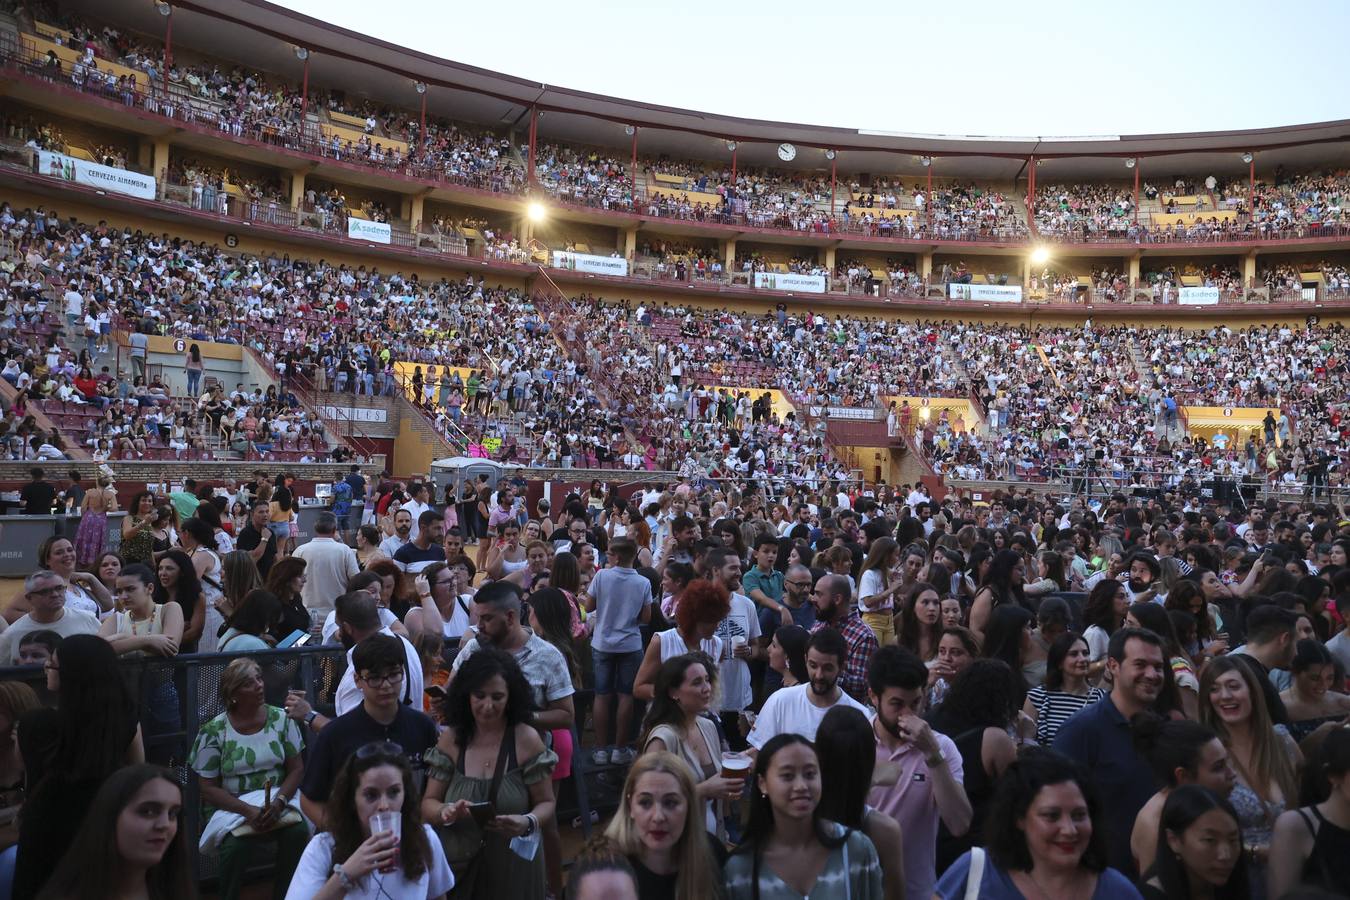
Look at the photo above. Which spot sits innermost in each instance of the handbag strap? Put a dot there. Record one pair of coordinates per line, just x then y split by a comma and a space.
975, 875
505, 756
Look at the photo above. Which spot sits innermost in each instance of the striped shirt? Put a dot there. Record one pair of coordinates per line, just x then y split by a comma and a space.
1054, 708
852, 870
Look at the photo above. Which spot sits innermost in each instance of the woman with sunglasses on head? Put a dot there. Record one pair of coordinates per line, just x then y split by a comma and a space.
375, 845
790, 850
489, 753
1199, 853
132, 843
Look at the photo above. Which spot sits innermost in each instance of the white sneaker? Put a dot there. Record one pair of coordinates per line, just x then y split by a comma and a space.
622, 756
600, 757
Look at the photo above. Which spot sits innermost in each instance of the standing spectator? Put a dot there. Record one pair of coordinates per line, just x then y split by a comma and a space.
140, 626
416, 505
258, 540
425, 548
140, 344
833, 599
379, 663
1065, 691
1044, 839
703, 606
490, 752
1099, 737
763, 583
923, 779
801, 709
328, 565
92, 534
621, 600
352, 859
192, 368
1204, 858
37, 497
788, 843
740, 636
1180, 752
1311, 846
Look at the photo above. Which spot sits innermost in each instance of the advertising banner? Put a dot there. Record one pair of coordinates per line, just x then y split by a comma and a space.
790, 281
80, 171
366, 230
1197, 296
999, 293
587, 262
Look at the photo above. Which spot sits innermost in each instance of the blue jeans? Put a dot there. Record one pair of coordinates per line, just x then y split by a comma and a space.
194, 380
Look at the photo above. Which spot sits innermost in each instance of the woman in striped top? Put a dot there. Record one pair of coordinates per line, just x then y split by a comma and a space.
1065, 691
789, 851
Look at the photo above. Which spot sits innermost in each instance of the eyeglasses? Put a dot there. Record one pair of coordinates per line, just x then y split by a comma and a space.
388, 678
379, 748
800, 584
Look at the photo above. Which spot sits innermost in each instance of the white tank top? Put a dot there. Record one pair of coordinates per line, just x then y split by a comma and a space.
672, 645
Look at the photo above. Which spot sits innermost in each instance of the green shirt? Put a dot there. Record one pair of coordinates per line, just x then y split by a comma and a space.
244, 762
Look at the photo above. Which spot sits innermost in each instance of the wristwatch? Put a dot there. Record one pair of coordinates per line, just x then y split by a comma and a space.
343, 878
935, 760
532, 826
310, 717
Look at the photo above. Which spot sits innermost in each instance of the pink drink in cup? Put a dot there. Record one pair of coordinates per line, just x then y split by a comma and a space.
383, 822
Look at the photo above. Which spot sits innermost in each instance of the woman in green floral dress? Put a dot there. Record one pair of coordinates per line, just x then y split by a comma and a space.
248, 766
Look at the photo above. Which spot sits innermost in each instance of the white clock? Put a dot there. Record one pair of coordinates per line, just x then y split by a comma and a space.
787, 152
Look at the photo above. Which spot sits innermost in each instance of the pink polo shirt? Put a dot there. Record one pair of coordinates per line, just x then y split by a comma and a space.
910, 802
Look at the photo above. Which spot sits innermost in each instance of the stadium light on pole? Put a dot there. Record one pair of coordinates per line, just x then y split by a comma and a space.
731, 145
165, 10
1251, 182
536, 211
302, 54
1040, 256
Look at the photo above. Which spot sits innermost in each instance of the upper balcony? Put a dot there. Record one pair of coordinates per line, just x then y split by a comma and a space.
634, 166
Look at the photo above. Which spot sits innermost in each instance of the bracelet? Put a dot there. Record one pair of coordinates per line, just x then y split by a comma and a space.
343, 878
533, 826
935, 760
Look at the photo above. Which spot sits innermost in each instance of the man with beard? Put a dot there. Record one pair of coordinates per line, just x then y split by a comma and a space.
833, 599
800, 709
741, 643
402, 533
927, 765
1143, 570
1100, 738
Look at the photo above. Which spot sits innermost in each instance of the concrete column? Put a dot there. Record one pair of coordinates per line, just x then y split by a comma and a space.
297, 189
1248, 270
1133, 265
629, 243
145, 154
729, 256
829, 259
415, 207
925, 265
159, 165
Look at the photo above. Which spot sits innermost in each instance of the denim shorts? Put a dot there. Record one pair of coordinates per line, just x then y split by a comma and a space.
615, 672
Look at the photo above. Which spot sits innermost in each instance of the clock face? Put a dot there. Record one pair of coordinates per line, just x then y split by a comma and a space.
787, 152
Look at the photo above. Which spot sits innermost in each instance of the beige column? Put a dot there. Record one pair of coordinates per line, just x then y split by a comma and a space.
1133, 265
297, 189
729, 256
160, 163
630, 243
1248, 270
416, 204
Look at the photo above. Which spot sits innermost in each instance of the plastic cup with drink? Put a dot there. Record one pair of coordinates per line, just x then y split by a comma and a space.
387, 823
735, 765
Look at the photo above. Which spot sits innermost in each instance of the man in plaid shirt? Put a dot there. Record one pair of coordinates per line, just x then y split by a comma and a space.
833, 597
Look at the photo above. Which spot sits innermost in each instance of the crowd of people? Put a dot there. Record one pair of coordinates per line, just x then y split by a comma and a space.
845, 692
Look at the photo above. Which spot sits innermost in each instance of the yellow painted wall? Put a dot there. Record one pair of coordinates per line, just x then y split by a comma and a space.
209, 349
414, 449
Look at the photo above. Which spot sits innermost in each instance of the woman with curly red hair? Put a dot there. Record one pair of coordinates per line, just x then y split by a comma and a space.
703, 605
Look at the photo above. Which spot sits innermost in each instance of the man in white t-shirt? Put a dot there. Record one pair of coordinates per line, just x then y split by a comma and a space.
800, 709
417, 505
740, 634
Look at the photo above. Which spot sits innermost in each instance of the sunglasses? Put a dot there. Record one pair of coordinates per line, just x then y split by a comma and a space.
379, 748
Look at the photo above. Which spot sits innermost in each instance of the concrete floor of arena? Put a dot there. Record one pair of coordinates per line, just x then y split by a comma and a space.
572, 839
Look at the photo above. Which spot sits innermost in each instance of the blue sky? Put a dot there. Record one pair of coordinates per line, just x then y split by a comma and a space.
979, 67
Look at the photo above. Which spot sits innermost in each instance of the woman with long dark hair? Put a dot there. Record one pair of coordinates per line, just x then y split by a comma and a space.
178, 583
285, 581
1180, 752
790, 849
1066, 689
70, 751
1311, 846
490, 752
374, 785
1199, 854
1185, 686
847, 751
1103, 615
1002, 585
132, 843
976, 714
1008, 637
787, 654
921, 621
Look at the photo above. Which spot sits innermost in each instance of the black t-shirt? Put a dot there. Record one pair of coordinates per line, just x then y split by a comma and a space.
662, 887
37, 498
414, 559
411, 730
249, 539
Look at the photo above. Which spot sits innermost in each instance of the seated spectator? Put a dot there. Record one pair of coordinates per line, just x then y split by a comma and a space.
45, 592
374, 830
132, 840
248, 766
